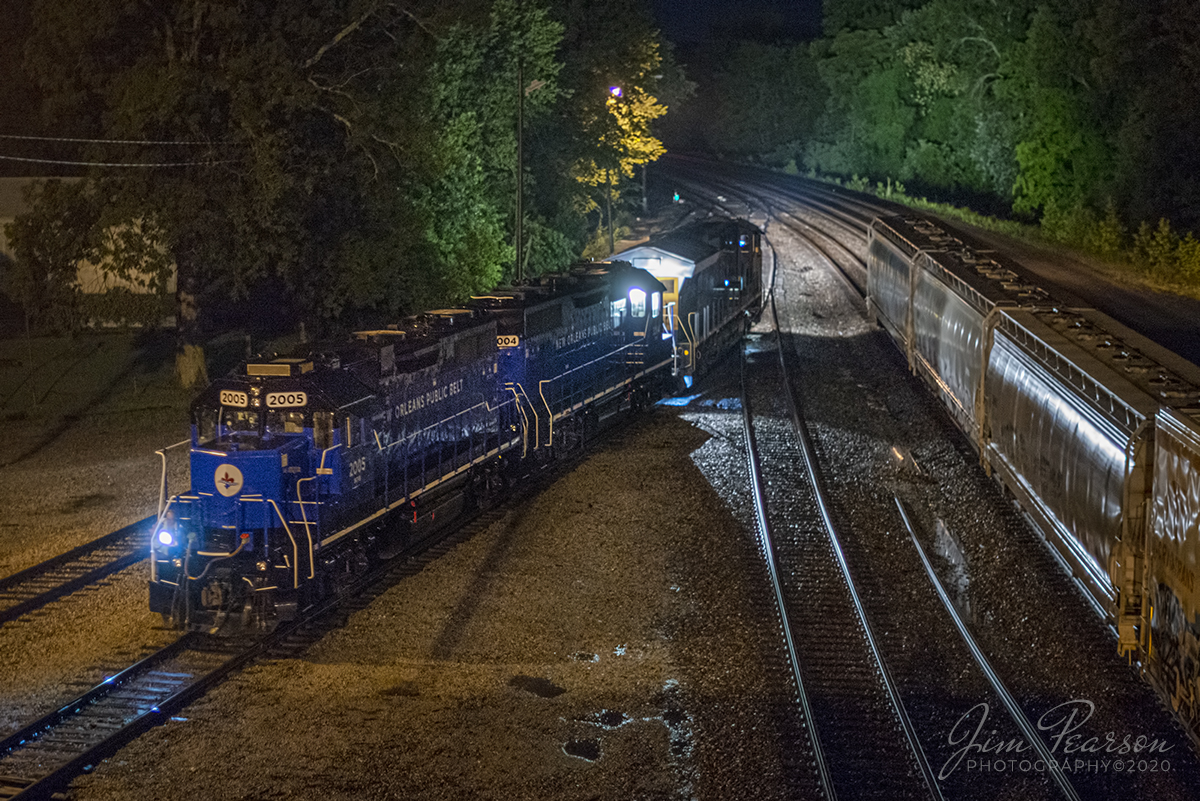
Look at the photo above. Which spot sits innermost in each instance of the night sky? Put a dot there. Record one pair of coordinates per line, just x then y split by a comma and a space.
684, 21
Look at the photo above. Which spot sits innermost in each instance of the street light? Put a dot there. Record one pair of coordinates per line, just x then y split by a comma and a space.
614, 94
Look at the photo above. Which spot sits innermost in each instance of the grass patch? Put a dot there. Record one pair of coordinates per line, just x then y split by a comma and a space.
87, 375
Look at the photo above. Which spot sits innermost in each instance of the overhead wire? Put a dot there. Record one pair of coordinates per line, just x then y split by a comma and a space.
114, 141
145, 165
117, 164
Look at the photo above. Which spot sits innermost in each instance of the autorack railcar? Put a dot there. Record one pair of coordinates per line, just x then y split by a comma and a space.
1093, 428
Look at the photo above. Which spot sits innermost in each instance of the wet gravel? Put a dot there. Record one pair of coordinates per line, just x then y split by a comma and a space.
599, 642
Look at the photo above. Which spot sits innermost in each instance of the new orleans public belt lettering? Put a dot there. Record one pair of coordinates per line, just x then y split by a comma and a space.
430, 397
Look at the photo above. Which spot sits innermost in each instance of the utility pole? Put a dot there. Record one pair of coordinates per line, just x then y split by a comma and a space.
612, 247
645, 207
520, 266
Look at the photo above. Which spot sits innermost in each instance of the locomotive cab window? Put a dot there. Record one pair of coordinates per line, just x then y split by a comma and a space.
618, 312
285, 422
206, 425
655, 304
323, 430
637, 302
238, 421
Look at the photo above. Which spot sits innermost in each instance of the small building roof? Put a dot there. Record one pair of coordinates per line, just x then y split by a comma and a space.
678, 253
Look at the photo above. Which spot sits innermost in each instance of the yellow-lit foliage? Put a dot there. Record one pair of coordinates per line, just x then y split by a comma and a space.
620, 128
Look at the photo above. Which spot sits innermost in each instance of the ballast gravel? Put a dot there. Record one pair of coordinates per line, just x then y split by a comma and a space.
597, 643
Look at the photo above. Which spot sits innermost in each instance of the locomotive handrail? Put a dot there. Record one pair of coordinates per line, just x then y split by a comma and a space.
162, 515
300, 502
295, 549
689, 332
524, 419
288, 530
162, 482
322, 470
541, 385
670, 318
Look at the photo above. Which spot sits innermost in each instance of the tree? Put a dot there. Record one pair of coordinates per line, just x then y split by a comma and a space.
763, 101
610, 44
324, 156
49, 245
1061, 153
481, 74
867, 120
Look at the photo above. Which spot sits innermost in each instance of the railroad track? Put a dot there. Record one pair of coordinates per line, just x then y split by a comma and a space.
862, 738
46, 754
780, 205
34, 587
862, 742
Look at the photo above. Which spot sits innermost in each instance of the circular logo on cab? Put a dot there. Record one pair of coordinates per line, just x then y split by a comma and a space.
229, 480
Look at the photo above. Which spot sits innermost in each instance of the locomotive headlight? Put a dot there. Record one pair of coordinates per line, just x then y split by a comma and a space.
166, 538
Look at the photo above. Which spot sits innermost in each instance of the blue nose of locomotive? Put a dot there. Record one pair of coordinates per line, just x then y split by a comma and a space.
223, 480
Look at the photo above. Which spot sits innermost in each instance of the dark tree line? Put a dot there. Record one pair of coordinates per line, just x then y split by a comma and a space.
1065, 112
350, 160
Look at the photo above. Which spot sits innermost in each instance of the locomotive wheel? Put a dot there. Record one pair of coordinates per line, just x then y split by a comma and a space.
488, 486
570, 435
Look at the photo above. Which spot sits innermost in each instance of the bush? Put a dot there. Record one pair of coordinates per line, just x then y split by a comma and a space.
1068, 226
1107, 237
1155, 248
858, 184
1188, 254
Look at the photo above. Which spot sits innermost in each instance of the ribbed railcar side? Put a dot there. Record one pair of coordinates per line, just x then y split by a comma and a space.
1173, 560
1055, 422
889, 279
937, 315
1065, 431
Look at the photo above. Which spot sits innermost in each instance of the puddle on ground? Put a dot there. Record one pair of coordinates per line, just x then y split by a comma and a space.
93, 501
584, 749
957, 580
542, 688
405, 688
681, 400
611, 718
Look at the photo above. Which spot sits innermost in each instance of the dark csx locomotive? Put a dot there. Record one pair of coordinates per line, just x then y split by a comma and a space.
307, 470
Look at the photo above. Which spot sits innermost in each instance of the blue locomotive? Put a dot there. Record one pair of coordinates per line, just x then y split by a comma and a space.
306, 470
712, 271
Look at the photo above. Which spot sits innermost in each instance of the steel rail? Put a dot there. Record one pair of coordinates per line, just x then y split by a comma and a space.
1010, 703
747, 192
165, 696
25, 591
768, 547
808, 451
